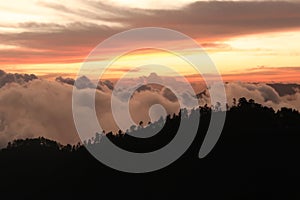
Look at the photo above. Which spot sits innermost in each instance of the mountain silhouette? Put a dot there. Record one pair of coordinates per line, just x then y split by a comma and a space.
255, 157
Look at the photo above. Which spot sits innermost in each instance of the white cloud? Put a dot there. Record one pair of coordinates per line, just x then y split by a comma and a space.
43, 108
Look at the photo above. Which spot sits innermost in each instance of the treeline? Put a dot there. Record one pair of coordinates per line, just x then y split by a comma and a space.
39, 144
245, 115
256, 157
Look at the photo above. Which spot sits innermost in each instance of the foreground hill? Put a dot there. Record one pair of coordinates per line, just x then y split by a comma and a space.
256, 157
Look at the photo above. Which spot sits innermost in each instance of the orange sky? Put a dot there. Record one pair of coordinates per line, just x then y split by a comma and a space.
248, 41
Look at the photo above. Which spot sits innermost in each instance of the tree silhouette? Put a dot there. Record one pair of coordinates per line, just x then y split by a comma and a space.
257, 152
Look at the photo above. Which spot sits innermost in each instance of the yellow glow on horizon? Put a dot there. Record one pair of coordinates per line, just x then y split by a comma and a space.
270, 49
237, 55
154, 58
47, 71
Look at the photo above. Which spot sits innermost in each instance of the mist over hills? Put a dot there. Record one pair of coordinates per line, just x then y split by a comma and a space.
33, 107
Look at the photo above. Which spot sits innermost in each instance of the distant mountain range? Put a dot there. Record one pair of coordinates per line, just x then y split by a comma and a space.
15, 78
281, 88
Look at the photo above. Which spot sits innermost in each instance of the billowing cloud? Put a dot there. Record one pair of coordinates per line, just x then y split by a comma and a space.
36, 108
285, 89
262, 93
44, 108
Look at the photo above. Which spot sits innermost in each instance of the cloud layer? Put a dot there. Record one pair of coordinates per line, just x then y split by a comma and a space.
43, 108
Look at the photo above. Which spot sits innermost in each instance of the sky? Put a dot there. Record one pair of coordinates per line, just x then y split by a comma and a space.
255, 41
252, 44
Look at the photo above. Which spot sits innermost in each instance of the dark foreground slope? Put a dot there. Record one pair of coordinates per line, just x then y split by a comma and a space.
257, 157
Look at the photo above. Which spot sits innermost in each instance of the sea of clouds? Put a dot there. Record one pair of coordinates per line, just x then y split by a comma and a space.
32, 107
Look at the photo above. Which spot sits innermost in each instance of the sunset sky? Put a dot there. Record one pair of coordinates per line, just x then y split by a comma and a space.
247, 40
